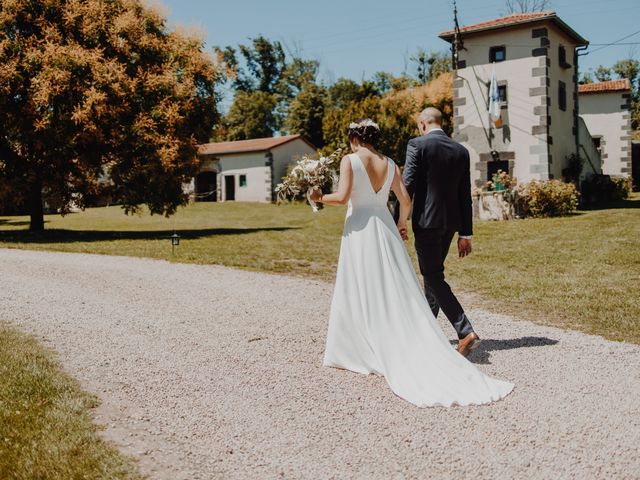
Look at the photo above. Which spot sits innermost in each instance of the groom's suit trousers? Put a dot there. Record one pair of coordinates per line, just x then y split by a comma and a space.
432, 246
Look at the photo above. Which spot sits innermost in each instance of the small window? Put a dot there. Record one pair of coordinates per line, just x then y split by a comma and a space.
562, 95
494, 165
562, 57
502, 94
497, 54
243, 180
597, 143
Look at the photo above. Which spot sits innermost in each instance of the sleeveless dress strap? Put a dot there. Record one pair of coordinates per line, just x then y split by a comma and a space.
391, 172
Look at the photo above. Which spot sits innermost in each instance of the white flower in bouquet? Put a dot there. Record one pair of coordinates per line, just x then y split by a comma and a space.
307, 174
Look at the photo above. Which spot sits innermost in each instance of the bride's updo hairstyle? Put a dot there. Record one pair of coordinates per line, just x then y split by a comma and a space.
365, 130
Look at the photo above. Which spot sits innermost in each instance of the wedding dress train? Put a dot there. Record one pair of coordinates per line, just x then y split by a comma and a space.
380, 320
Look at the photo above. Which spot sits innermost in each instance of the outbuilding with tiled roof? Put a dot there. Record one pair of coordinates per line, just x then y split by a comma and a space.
246, 170
621, 85
605, 108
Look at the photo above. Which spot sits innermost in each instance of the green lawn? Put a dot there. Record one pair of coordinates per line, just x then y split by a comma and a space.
46, 430
580, 271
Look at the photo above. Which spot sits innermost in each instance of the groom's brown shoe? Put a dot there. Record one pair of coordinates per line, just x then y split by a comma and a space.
468, 344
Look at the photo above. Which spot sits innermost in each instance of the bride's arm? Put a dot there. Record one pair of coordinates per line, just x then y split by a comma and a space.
405, 201
344, 187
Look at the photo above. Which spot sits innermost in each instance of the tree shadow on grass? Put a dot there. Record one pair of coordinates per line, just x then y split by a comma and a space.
620, 204
71, 236
483, 352
16, 223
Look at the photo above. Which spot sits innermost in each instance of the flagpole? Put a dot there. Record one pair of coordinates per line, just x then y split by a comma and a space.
491, 101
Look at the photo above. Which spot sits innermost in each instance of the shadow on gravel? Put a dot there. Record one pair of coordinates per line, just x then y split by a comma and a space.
70, 236
483, 353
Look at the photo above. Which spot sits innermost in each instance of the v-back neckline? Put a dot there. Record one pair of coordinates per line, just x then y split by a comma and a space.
386, 176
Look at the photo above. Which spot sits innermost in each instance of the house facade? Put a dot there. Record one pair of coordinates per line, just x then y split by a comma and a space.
246, 170
534, 56
606, 110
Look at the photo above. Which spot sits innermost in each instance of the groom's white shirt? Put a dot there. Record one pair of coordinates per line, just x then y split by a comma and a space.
466, 237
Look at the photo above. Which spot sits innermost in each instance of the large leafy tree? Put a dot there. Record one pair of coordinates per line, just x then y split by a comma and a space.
298, 74
345, 92
396, 113
257, 71
252, 115
306, 113
92, 90
265, 64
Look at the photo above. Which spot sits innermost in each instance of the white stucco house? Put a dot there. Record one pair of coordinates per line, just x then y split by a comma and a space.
535, 57
246, 170
605, 108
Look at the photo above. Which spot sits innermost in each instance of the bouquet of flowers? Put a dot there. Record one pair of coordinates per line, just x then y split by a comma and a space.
307, 174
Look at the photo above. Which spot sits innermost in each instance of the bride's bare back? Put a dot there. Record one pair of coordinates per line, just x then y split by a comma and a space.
376, 166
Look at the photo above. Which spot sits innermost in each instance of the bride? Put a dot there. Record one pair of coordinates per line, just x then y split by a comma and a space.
380, 319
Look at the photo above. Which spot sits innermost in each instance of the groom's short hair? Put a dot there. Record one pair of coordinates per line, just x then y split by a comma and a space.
431, 115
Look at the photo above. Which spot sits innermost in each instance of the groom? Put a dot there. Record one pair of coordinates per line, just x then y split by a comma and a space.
436, 174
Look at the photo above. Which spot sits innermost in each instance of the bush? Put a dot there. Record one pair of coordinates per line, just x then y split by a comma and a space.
575, 165
603, 188
622, 188
551, 198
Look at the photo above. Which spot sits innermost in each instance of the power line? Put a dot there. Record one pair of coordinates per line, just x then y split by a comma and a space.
593, 12
390, 35
616, 42
431, 27
535, 45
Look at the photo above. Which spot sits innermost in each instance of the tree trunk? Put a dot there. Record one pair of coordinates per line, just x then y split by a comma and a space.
36, 208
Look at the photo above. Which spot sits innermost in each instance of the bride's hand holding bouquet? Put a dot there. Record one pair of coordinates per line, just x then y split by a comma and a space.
309, 176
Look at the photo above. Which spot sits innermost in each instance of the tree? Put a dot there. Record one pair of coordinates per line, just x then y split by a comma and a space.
395, 112
587, 77
628, 68
385, 82
430, 65
260, 71
523, 6
602, 74
336, 121
264, 64
92, 90
306, 113
296, 76
345, 91
422, 66
252, 115
439, 63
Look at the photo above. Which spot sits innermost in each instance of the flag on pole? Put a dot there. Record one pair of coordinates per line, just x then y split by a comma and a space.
494, 100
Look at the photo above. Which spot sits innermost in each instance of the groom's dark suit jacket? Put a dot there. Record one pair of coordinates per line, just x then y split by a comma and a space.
437, 176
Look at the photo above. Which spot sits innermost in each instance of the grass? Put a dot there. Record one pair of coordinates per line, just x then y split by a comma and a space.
46, 431
578, 272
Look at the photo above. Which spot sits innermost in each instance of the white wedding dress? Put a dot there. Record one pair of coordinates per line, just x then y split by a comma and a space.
380, 319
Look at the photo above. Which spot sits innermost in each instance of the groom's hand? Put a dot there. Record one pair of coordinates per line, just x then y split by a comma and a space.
464, 247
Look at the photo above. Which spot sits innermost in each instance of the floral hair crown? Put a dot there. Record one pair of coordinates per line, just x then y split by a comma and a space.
364, 123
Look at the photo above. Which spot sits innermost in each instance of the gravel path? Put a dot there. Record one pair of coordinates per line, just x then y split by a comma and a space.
208, 372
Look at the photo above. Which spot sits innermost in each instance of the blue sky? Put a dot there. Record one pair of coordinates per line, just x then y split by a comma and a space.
357, 38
